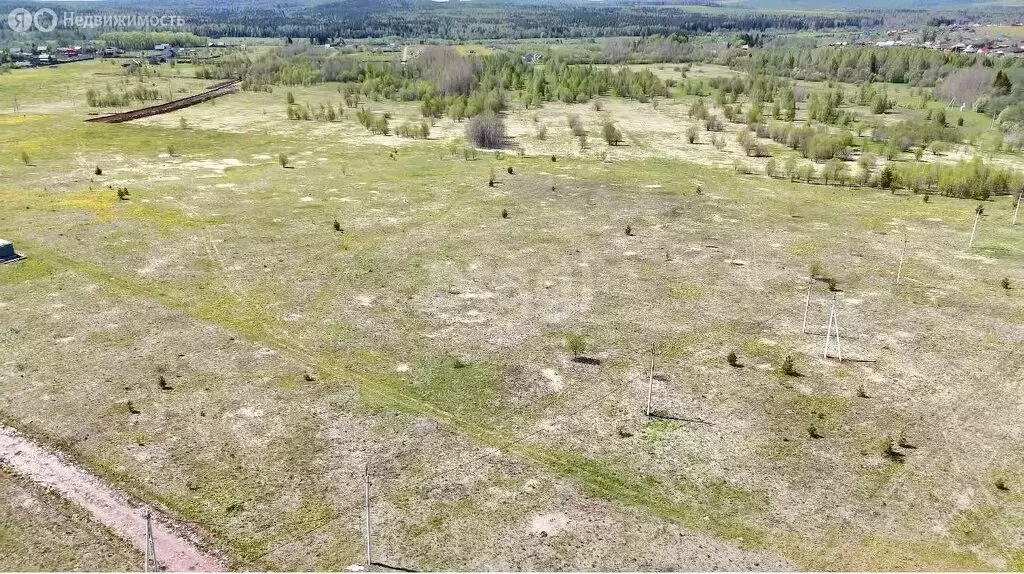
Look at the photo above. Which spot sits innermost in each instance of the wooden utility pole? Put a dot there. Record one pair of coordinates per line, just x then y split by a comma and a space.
366, 480
807, 305
833, 319
650, 380
977, 216
151, 564
903, 255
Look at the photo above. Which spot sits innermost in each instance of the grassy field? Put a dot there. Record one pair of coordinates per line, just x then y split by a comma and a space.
426, 339
39, 531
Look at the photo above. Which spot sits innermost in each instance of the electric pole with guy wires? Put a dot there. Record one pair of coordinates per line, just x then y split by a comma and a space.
833, 319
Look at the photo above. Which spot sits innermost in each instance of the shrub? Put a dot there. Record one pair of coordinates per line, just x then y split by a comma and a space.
183, 123
788, 367
170, 150
886, 178
732, 359
282, 159
575, 344
542, 133
24, 158
691, 134
629, 229
122, 193
612, 135
509, 170
771, 167
504, 214
291, 98
576, 125
1005, 282
337, 225
486, 131
98, 171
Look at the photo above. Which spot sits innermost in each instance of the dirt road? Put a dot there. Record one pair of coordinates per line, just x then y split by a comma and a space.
175, 548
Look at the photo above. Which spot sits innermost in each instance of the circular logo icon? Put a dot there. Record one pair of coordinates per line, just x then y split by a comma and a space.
20, 20
45, 20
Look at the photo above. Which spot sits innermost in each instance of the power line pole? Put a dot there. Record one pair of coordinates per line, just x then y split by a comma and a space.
807, 305
650, 381
977, 216
903, 255
833, 319
151, 564
366, 479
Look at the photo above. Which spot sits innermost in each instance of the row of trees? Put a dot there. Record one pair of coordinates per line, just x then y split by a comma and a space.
856, 64
109, 98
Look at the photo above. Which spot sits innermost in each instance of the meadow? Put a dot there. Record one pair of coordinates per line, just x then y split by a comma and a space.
276, 304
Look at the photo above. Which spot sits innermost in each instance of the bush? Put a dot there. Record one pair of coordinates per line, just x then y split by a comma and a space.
612, 135
732, 359
575, 344
98, 171
576, 125
542, 133
629, 229
24, 158
486, 131
282, 159
1005, 282
771, 167
337, 225
122, 193
504, 214
691, 134
886, 178
788, 367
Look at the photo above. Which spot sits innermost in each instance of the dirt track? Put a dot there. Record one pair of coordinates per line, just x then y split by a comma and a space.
175, 549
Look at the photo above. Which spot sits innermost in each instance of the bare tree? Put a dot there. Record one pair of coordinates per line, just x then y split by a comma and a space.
486, 131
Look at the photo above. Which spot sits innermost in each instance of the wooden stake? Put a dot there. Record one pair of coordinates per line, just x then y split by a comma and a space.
974, 229
650, 381
1017, 209
366, 479
903, 255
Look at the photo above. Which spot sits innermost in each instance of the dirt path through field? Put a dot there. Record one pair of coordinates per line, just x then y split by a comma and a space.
175, 549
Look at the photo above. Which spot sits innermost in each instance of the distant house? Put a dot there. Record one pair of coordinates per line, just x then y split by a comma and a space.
7, 252
161, 47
